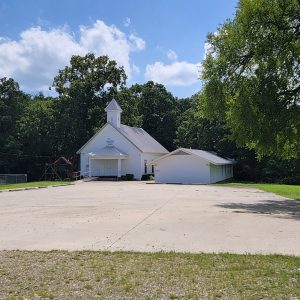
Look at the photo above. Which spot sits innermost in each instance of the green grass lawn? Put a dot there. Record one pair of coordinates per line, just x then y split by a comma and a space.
31, 184
289, 191
129, 275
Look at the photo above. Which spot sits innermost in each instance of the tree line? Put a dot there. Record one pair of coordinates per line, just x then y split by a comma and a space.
248, 108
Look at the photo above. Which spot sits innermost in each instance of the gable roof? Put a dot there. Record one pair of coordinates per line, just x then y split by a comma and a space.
113, 105
142, 139
210, 157
108, 151
137, 136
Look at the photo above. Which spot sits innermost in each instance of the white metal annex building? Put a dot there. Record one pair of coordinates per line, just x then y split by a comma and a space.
191, 166
118, 149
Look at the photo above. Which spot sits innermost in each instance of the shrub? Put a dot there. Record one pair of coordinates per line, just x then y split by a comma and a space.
147, 177
127, 177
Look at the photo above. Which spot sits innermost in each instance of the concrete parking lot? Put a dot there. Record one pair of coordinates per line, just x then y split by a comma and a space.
149, 217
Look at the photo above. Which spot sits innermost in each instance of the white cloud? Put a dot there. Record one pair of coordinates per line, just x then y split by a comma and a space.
138, 43
135, 69
172, 54
3, 39
127, 22
37, 56
107, 40
208, 48
176, 73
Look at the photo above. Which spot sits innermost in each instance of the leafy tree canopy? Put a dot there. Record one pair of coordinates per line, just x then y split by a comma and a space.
84, 88
12, 104
197, 132
36, 128
252, 76
153, 108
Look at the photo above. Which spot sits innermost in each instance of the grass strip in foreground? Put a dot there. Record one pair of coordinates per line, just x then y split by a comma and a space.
129, 275
32, 184
285, 190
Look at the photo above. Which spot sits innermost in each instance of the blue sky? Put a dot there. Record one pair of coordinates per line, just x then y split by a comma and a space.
159, 40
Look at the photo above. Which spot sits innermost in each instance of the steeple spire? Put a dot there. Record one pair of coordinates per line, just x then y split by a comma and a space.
114, 111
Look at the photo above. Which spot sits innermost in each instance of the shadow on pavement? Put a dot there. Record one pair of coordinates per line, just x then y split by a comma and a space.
277, 208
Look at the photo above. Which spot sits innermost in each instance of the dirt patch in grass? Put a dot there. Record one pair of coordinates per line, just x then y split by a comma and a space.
128, 275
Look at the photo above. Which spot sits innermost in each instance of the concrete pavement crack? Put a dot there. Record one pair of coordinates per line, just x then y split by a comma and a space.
139, 223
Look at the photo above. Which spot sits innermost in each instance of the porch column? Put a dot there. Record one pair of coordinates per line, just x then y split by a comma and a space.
119, 168
90, 167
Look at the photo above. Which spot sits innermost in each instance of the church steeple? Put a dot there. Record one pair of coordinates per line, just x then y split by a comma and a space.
114, 111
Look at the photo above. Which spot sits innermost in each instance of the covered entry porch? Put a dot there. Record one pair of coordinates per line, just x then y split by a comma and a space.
107, 162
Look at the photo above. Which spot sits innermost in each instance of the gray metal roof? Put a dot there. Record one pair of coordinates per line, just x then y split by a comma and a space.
212, 158
113, 105
108, 151
141, 139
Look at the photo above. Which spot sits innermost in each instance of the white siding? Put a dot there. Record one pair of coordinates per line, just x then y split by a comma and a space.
220, 172
182, 169
131, 165
84, 164
149, 157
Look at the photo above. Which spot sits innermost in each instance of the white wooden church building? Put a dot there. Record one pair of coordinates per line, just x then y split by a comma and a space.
118, 149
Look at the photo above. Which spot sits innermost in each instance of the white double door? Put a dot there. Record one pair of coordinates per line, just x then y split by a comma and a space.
108, 167
104, 167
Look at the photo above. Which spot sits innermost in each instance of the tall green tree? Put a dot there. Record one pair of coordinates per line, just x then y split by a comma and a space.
251, 76
153, 108
84, 89
36, 134
12, 106
130, 104
197, 132
36, 128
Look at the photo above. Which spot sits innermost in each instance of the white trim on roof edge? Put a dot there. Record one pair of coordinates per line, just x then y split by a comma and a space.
191, 153
94, 136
